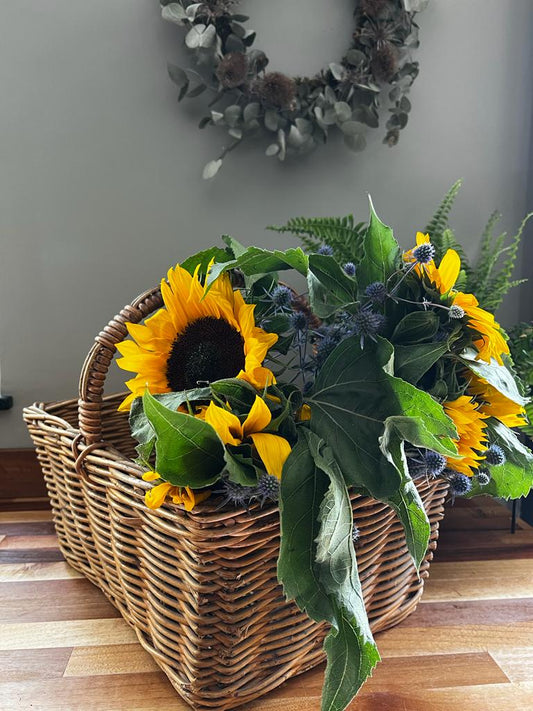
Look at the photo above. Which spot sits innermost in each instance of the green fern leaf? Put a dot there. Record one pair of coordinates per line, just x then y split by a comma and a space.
439, 222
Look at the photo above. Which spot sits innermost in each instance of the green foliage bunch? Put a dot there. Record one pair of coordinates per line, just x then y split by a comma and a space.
369, 363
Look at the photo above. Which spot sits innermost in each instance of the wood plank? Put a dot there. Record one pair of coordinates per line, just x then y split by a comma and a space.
20, 474
471, 612
66, 633
24, 516
110, 659
19, 666
450, 639
517, 664
10, 572
484, 545
28, 528
53, 600
30, 555
17, 542
479, 580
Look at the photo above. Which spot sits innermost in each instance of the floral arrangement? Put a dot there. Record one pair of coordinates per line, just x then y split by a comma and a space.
247, 393
297, 113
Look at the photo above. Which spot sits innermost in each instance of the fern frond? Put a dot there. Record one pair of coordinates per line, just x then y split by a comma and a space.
439, 222
342, 234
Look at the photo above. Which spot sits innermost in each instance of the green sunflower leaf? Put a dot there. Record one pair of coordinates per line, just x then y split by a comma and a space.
262, 261
416, 327
495, 374
330, 288
514, 478
381, 252
188, 450
412, 362
203, 259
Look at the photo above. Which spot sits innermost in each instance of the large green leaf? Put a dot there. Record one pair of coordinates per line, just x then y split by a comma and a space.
188, 450
330, 288
497, 375
301, 492
203, 259
412, 362
352, 400
514, 478
381, 256
416, 327
262, 261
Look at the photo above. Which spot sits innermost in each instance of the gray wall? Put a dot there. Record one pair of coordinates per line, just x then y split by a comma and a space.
100, 186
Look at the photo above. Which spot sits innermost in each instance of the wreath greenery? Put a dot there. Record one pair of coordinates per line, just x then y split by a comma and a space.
298, 112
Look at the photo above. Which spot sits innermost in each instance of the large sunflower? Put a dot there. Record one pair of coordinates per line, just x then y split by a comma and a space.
470, 425
495, 404
200, 336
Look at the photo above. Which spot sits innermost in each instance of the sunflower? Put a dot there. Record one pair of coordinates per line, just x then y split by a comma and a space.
491, 343
155, 497
495, 404
272, 449
444, 276
199, 337
468, 420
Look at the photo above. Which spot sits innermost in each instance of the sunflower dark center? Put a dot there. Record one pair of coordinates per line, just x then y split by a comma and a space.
208, 349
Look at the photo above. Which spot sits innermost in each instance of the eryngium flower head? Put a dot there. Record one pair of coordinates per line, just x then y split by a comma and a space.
377, 291
384, 61
327, 344
232, 70
495, 455
298, 321
483, 477
326, 250
435, 463
267, 488
456, 312
235, 494
368, 323
460, 484
349, 269
277, 89
281, 296
424, 253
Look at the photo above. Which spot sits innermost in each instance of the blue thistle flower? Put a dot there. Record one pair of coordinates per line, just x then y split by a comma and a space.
460, 484
456, 312
424, 253
281, 296
349, 269
308, 386
235, 494
483, 477
495, 455
326, 346
435, 463
326, 250
377, 291
298, 321
267, 489
367, 323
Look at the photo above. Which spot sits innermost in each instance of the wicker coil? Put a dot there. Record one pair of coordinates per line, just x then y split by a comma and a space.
199, 588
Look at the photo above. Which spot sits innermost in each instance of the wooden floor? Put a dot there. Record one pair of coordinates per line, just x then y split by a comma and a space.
468, 647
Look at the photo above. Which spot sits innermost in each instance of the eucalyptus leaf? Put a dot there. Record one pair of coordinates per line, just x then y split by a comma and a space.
188, 450
211, 169
174, 12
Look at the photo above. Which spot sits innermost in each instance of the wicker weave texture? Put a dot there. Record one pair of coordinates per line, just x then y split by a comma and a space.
199, 588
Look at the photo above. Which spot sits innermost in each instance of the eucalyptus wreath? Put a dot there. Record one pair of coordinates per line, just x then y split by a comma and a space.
297, 113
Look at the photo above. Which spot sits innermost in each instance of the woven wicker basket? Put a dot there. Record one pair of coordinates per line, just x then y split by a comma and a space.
199, 588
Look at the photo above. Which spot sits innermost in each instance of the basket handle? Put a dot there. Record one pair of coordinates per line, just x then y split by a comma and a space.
99, 358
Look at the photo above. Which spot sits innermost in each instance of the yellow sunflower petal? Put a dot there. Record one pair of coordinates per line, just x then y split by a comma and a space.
155, 497
225, 424
421, 238
259, 377
150, 476
190, 498
448, 271
273, 451
258, 418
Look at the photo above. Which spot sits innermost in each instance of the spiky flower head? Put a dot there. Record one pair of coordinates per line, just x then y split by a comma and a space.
495, 455
377, 291
435, 463
267, 488
235, 494
483, 477
349, 269
368, 323
424, 253
281, 296
326, 250
456, 312
232, 70
298, 321
277, 89
329, 341
384, 61
460, 484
